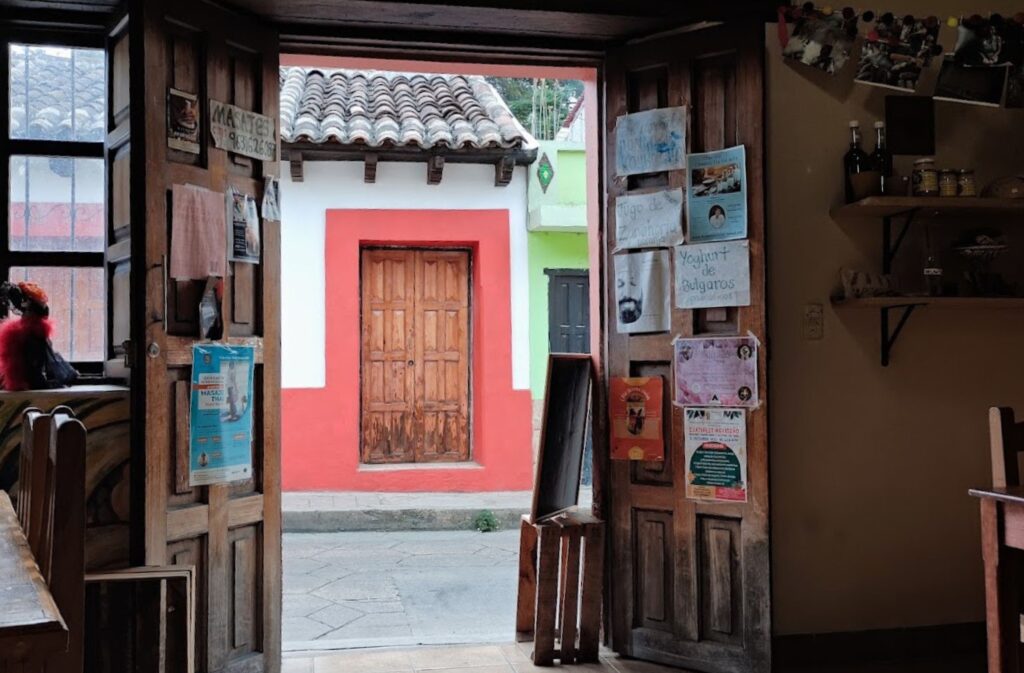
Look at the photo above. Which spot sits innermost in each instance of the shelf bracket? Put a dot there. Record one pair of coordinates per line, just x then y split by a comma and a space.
889, 338
889, 246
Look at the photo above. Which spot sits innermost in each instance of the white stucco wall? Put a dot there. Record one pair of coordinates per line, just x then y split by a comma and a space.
399, 186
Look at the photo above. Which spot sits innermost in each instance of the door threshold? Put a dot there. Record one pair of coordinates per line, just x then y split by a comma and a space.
396, 467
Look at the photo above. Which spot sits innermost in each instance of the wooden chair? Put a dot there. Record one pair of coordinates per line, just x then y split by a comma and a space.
1006, 440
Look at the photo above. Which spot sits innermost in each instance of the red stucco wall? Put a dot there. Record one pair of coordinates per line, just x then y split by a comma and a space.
320, 427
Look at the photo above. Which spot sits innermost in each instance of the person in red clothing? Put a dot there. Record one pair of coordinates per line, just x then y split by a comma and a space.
27, 358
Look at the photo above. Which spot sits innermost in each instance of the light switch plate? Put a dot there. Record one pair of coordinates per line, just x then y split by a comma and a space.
814, 322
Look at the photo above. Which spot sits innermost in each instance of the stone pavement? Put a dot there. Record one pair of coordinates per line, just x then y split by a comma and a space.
322, 511
371, 589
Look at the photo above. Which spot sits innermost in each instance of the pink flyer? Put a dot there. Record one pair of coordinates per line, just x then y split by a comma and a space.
715, 371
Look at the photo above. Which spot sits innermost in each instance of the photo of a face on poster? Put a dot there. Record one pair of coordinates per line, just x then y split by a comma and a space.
642, 286
182, 121
243, 228
717, 195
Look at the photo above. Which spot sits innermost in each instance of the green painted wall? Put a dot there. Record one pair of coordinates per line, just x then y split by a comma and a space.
547, 250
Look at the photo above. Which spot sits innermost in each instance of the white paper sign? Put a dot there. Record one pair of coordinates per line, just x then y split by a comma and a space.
651, 141
649, 220
710, 275
242, 131
641, 292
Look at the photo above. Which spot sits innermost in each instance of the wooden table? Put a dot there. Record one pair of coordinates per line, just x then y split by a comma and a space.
30, 624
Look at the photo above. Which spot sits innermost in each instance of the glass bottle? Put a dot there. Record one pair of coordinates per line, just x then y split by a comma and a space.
881, 158
855, 161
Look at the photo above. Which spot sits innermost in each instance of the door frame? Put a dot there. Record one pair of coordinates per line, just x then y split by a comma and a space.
470, 350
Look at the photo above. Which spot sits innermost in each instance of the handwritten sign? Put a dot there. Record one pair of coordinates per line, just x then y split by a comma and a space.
712, 275
649, 220
651, 141
242, 131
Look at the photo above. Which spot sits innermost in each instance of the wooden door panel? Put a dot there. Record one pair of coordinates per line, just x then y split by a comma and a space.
389, 370
689, 580
442, 354
231, 532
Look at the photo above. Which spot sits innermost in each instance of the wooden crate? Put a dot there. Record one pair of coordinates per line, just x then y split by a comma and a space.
561, 566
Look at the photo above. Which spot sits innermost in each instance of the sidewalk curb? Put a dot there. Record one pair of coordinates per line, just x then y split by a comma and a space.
332, 521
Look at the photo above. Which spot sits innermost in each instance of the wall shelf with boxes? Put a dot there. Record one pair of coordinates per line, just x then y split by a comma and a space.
897, 214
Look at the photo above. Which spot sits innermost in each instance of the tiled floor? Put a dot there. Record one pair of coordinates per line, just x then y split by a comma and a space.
508, 658
511, 658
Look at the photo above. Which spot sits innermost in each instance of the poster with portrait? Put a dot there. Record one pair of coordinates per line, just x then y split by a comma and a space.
651, 141
643, 281
709, 275
715, 447
716, 195
636, 408
653, 220
897, 49
182, 121
220, 422
715, 371
243, 228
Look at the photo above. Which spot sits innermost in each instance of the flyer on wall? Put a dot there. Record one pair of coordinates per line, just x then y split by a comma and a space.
710, 275
220, 422
715, 371
243, 228
717, 195
643, 283
635, 405
653, 220
715, 443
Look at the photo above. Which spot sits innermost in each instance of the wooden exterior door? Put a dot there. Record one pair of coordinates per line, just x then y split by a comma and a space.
415, 355
230, 532
690, 581
568, 311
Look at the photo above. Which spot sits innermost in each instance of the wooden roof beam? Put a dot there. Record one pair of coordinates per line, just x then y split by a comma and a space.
503, 171
295, 161
370, 168
435, 167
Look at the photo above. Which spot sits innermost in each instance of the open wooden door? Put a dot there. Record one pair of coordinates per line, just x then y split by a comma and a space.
690, 581
230, 532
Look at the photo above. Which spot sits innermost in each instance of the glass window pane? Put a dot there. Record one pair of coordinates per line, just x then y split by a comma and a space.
77, 308
57, 93
56, 204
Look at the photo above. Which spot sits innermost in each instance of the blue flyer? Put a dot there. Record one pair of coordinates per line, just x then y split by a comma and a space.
220, 423
716, 195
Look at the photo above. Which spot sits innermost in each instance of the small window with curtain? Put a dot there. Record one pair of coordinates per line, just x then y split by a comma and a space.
51, 154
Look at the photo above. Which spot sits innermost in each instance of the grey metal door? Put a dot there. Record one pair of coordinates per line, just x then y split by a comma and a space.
568, 310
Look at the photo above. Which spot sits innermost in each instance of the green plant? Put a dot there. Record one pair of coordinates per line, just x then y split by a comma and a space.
485, 521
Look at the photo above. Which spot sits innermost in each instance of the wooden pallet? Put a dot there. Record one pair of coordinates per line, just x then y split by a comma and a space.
561, 566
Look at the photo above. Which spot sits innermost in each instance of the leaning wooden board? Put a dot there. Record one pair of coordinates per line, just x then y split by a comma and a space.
30, 623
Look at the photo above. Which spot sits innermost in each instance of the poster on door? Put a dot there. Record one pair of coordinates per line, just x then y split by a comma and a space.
715, 446
652, 220
220, 422
636, 417
709, 275
643, 281
651, 141
716, 195
715, 371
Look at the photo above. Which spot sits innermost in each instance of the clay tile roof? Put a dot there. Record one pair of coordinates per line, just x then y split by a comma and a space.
386, 109
50, 100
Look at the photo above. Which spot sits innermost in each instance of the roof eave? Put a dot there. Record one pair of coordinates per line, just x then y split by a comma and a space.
522, 156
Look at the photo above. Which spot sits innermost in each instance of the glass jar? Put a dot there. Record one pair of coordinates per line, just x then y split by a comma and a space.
925, 177
965, 184
948, 182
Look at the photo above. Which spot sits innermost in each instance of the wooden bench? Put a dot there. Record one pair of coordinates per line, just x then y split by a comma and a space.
561, 575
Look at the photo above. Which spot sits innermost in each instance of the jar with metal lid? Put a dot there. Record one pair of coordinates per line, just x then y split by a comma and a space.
965, 184
925, 177
947, 182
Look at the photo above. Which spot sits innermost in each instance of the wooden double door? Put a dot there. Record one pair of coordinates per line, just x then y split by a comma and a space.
415, 386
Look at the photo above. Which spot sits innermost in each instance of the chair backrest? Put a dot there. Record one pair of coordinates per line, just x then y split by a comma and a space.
60, 523
1006, 439
35, 442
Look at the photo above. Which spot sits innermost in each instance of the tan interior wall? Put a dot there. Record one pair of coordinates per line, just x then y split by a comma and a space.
872, 526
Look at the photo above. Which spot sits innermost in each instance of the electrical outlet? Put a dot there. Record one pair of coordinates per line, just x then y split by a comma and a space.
814, 322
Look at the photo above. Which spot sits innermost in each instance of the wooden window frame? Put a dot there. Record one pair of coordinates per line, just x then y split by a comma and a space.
10, 147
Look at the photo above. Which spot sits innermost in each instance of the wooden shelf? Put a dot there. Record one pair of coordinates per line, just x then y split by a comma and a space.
935, 302
928, 207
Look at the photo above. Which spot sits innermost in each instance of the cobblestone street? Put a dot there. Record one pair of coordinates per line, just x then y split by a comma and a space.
398, 588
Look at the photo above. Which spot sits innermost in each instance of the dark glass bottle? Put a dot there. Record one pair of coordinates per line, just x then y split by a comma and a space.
881, 158
856, 161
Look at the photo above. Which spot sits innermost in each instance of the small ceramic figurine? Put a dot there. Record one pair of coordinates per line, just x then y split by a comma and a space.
27, 358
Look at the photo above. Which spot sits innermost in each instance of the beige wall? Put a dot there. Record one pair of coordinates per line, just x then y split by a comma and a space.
872, 526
